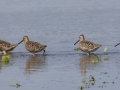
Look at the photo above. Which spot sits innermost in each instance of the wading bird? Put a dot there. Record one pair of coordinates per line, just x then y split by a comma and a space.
6, 46
87, 46
32, 46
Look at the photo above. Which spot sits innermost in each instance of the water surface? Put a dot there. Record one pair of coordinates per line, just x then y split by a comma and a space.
58, 24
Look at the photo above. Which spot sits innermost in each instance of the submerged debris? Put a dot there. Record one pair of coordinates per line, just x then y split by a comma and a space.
100, 86
105, 82
113, 82
104, 72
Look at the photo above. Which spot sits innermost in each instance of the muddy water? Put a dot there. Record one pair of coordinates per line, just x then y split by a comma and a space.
58, 24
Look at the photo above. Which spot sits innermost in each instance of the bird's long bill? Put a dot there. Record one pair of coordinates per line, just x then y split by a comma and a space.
117, 44
76, 42
20, 42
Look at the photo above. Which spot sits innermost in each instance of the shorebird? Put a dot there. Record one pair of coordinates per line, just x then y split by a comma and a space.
6, 46
87, 46
32, 46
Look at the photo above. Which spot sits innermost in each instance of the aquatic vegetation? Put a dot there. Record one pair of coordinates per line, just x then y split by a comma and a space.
95, 61
92, 78
5, 63
105, 50
106, 57
88, 82
83, 80
81, 87
5, 58
16, 86
8, 56
100, 86
100, 57
77, 49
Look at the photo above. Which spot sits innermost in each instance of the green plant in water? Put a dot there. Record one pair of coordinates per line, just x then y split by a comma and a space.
5, 63
87, 83
93, 83
93, 61
92, 78
17, 85
77, 49
105, 50
96, 61
83, 80
106, 57
5, 58
8, 56
100, 57
81, 87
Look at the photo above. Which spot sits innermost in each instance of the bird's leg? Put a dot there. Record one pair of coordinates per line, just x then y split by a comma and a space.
88, 53
33, 54
4, 52
43, 52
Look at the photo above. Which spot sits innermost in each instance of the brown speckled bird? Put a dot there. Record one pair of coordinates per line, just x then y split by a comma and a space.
32, 46
6, 46
87, 46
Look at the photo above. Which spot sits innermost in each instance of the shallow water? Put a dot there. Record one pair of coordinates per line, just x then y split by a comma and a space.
58, 24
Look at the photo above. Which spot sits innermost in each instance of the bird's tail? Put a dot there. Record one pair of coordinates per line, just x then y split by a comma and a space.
98, 45
44, 45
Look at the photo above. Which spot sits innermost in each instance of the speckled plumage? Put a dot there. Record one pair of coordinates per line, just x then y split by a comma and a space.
87, 46
32, 46
6, 46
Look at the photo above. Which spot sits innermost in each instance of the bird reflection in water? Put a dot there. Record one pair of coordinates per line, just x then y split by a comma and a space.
86, 62
34, 64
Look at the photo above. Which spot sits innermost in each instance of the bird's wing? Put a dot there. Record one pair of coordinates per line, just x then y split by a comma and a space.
33, 46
